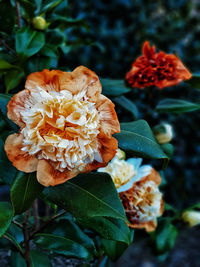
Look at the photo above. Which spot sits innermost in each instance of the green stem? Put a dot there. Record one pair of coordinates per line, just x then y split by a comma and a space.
18, 15
17, 246
45, 224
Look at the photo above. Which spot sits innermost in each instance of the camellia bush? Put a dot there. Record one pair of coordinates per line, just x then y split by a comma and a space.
82, 164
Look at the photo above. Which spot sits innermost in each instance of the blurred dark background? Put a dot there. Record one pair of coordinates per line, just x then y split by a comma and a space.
119, 27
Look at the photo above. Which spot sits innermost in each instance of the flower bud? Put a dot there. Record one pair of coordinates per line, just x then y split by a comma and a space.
191, 217
39, 23
120, 154
163, 133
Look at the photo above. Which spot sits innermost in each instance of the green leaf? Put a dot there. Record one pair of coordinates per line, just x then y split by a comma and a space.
55, 37
13, 78
11, 237
48, 5
6, 215
49, 50
8, 172
108, 228
38, 63
62, 245
165, 235
5, 66
67, 228
127, 105
69, 22
24, 190
92, 198
16, 260
4, 99
87, 195
138, 140
176, 106
28, 8
28, 42
39, 259
113, 249
113, 87
168, 149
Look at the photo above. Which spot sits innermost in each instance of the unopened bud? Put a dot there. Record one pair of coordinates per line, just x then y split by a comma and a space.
163, 133
39, 23
191, 217
120, 154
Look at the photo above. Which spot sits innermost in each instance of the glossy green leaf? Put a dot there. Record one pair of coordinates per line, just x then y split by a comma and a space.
13, 78
109, 228
176, 106
24, 190
62, 245
6, 215
28, 42
138, 140
92, 198
114, 249
127, 105
39, 259
113, 87
8, 172
69, 229
87, 195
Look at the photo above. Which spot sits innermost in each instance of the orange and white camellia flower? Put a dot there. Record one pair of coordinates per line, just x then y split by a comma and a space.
138, 190
66, 125
156, 69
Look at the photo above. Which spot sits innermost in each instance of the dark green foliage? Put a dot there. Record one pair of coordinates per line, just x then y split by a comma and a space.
6, 215
105, 36
24, 190
144, 144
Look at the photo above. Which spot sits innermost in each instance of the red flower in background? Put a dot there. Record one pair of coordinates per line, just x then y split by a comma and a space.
156, 69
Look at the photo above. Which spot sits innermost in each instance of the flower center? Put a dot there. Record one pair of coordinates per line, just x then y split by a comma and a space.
147, 201
61, 127
120, 171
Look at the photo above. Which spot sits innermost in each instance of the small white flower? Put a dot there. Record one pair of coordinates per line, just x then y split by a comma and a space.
163, 133
191, 217
126, 173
